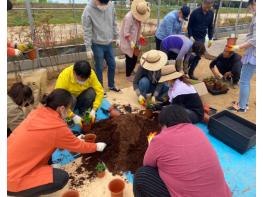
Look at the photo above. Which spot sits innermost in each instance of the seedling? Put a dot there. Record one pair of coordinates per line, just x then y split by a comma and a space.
149, 105
30, 45
101, 167
69, 121
86, 117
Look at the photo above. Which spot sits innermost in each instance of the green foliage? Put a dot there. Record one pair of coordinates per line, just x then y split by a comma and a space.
30, 45
100, 167
86, 117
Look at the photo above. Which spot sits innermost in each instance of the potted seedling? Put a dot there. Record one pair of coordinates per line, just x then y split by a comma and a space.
148, 111
69, 122
31, 51
87, 121
100, 169
90, 138
137, 49
116, 187
71, 193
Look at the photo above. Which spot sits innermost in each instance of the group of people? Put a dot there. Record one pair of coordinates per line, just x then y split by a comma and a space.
180, 161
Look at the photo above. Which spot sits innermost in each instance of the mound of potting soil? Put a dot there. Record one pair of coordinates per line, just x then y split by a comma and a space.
126, 139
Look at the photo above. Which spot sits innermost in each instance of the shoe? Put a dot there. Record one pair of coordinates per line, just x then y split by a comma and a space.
236, 103
115, 89
193, 77
105, 95
130, 78
236, 108
235, 86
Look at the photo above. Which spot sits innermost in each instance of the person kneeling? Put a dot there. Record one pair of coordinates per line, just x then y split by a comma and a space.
229, 65
180, 161
146, 80
81, 81
30, 146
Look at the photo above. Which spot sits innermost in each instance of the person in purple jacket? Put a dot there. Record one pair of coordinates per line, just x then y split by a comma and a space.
180, 161
183, 50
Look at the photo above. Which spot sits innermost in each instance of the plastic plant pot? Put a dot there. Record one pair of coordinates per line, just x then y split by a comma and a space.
32, 54
116, 187
231, 41
101, 174
71, 193
90, 138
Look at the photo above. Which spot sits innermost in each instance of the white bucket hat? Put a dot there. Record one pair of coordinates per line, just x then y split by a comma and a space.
169, 73
140, 10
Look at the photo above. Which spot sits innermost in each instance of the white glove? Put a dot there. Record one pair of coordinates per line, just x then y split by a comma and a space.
235, 48
192, 39
90, 54
77, 120
18, 52
132, 44
118, 43
101, 146
93, 115
81, 137
141, 99
153, 100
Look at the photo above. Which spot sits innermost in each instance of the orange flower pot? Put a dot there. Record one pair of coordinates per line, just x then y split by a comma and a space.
32, 54
116, 187
71, 193
100, 174
90, 138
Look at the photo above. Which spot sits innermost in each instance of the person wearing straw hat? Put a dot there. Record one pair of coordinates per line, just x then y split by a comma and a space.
146, 80
171, 24
182, 93
130, 33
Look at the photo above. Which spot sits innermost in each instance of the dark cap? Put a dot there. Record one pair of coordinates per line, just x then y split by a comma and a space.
186, 11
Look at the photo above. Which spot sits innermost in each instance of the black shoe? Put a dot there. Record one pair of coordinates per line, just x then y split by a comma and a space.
193, 77
115, 89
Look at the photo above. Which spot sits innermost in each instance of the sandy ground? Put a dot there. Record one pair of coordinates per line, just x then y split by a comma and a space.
98, 188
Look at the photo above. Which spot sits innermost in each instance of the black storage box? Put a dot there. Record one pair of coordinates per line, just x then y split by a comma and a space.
236, 132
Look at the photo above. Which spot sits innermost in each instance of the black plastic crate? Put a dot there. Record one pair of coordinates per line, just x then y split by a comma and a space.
236, 132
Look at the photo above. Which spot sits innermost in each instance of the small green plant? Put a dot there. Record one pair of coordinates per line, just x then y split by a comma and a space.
149, 104
86, 117
100, 167
30, 45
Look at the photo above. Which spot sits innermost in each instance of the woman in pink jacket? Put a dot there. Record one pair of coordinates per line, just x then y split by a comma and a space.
32, 143
131, 31
180, 161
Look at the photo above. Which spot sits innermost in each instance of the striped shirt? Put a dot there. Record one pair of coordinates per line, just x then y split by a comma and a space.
250, 54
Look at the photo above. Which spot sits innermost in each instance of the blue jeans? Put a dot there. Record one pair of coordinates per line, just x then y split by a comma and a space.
102, 52
247, 73
146, 87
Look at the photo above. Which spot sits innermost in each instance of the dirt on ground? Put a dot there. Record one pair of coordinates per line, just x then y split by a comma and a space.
126, 145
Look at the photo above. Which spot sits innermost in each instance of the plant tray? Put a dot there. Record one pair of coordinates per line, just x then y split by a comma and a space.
234, 131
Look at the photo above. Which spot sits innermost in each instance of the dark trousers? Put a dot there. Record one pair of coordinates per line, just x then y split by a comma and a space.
235, 70
130, 64
192, 116
148, 183
60, 179
84, 101
172, 55
158, 43
193, 62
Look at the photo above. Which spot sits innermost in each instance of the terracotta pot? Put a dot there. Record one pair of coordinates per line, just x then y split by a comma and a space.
231, 41
86, 127
90, 138
114, 113
71, 193
116, 186
148, 113
100, 174
136, 52
32, 54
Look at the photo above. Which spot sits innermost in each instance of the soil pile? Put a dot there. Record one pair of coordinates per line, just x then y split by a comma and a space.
126, 139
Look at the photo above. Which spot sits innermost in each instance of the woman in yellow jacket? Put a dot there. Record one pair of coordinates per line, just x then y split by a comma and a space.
31, 145
81, 81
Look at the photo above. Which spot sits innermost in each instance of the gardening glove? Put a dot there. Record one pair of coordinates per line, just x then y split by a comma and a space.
18, 52
77, 120
141, 100
90, 54
81, 137
234, 48
118, 43
192, 39
209, 43
227, 75
101, 146
22, 47
153, 100
132, 44
93, 115
217, 76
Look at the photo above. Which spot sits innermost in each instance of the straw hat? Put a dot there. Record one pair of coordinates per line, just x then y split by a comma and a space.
169, 73
140, 10
153, 60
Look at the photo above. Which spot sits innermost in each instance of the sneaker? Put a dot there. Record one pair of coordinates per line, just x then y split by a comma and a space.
193, 77
236, 108
235, 86
236, 103
105, 95
115, 89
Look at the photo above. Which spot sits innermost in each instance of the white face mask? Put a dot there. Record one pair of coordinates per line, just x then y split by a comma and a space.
102, 7
80, 82
63, 113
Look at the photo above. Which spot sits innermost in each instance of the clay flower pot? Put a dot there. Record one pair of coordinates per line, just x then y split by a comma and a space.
90, 138
86, 127
71, 193
116, 187
32, 54
101, 174
148, 113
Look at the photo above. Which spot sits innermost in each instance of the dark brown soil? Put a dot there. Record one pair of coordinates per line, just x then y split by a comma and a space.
126, 139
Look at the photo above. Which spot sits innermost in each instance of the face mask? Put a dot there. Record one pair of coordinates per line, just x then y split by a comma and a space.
180, 19
80, 82
102, 7
63, 113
